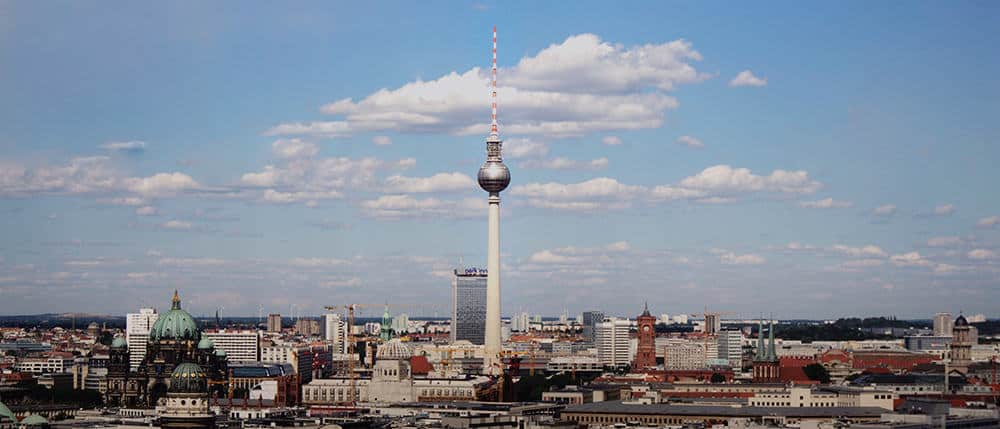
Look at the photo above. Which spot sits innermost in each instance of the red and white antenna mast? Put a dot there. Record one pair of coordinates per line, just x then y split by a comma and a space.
494, 132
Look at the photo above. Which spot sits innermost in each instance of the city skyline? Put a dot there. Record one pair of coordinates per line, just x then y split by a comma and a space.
282, 158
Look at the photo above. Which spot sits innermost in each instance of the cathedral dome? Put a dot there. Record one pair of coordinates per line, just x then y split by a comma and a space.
394, 349
960, 321
119, 343
176, 324
206, 343
188, 378
34, 420
6, 412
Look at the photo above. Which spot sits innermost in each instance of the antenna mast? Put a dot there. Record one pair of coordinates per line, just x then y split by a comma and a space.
493, 124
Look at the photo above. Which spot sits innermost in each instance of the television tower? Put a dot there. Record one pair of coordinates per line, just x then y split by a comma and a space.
493, 178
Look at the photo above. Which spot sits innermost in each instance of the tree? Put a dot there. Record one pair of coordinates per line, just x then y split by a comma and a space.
817, 372
718, 378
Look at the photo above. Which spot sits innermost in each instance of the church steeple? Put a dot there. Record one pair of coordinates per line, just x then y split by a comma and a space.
176, 302
760, 339
772, 354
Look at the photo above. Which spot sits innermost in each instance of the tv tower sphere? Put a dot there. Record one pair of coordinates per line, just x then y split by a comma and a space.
493, 175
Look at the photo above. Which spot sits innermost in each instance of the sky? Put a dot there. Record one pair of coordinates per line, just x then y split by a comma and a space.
801, 160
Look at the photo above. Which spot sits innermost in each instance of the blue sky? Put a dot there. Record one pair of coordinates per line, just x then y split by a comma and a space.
805, 160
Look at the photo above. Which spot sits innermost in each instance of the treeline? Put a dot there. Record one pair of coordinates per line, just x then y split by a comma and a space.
844, 329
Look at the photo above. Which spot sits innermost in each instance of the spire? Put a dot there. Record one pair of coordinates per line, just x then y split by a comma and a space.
645, 310
386, 332
772, 354
176, 301
494, 130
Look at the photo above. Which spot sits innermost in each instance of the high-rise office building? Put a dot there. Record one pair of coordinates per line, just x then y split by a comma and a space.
612, 340
307, 327
681, 354
521, 322
334, 330
401, 324
273, 322
590, 320
713, 323
137, 327
301, 358
468, 306
943, 324
730, 347
240, 345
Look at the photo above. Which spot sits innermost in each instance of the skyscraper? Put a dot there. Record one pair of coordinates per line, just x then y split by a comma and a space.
273, 322
493, 177
137, 327
590, 320
942, 325
612, 340
730, 346
468, 305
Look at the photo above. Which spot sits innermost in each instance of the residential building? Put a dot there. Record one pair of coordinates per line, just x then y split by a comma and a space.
239, 345
273, 322
943, 324
299, 356
612, 339
730, 347
137, 326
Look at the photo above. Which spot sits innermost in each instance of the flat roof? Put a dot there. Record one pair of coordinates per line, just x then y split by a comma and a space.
620, 407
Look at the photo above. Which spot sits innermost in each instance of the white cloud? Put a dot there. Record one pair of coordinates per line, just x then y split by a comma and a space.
611, 140
294, 148
747, 78
560, 163
947, 241
725, 179
146, 211
381, 140
988, 222
884, 210
857, 252
177, 224
349, 282
826, 203
690, 142
911, 259
313, 179
730, 258
862, 263
192, 262
981, 254
133, 146
123, 201
519, 148
83, 175
392, 207
944, 210
945, 269
579, 86
598, 193
318, 262
161, 184
441, 182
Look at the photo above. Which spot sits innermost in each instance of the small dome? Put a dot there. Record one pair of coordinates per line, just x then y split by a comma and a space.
176, 324
33, 420
393, 349
206, 343
188, 378
6, 412
220, 353
93, 325
119, 343
960, 321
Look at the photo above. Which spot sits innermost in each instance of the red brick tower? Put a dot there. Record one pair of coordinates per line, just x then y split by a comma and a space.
645, 355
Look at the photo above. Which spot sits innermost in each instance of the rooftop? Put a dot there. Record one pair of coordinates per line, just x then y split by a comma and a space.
620, 407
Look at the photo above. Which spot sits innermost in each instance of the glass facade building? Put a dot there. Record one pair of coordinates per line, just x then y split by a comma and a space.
468, 306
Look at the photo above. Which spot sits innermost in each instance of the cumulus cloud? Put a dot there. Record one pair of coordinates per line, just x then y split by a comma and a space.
579, 86
192, 262
690, 142
723, 178
856, 252
146, 211
730, 258
131, 146
294, 148
747, 78
381, 140
161, 184
911, 259
394, 207
611, 140
826, 203
318, 262
988, 222
519, 148
945, 241
84, 175
601, 192
981, 254
884, 210
177, 224
441, 182
313, 179
944, 210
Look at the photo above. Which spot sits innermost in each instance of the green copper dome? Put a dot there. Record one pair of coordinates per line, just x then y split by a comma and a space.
220, 353
33, 420
175, 324
6, 412
205, 343
188, 378
118, 343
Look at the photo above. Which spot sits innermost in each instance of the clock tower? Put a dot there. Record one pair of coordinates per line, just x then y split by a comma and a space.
645, 355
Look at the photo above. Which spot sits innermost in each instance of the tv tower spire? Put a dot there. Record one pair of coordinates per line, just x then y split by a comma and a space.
493, 178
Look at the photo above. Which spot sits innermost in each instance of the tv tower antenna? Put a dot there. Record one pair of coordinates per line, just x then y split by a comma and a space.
494, 131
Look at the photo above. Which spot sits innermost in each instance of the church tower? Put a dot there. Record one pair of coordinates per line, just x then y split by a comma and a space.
645, 355
961, 345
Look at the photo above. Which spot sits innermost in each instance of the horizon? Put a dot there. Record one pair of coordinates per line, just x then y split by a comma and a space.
695, 156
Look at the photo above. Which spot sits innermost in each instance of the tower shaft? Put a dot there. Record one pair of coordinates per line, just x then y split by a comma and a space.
491, 354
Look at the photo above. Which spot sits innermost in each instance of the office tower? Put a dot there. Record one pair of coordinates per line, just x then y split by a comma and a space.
468, 305
493, 177
713, 324
307, 327
590, 320
239, 345
273, 322
401, 324
521, 322
645, 355
300, 357
137, 326
681, 354
612, 340
730, 347
942, 325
